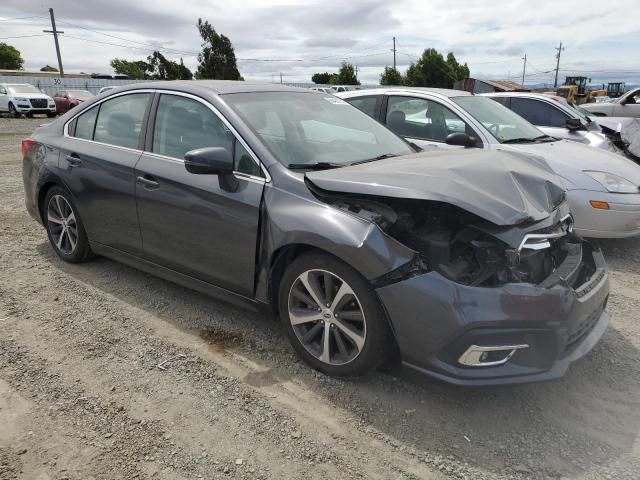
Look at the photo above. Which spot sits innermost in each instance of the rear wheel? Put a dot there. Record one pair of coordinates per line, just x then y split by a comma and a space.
64, 227
332, 316
13, 112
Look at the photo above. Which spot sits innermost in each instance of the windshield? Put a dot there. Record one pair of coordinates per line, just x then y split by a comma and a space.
82, 94
501, 122
309, 128
22, 89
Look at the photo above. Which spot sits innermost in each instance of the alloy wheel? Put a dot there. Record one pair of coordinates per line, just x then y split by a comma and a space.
61, 221
327, 317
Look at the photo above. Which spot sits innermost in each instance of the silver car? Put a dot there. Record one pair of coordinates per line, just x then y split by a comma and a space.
628, 105
555, 117
602, 187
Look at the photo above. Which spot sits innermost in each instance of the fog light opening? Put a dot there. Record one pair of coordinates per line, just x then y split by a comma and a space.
599, 205
477, 356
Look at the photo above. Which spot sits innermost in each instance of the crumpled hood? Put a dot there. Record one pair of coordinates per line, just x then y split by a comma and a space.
568, 159
505, 188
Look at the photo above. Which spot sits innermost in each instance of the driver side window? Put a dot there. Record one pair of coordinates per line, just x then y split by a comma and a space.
423, 119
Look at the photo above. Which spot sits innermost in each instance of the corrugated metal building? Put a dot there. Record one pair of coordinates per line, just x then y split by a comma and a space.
475, 85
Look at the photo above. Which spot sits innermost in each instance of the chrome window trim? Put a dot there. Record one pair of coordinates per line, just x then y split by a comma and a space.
265, 179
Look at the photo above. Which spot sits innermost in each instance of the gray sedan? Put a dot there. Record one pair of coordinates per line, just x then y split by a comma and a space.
294, 201
602, 187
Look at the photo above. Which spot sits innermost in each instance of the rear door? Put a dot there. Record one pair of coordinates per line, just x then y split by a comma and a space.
189, 223
98, 156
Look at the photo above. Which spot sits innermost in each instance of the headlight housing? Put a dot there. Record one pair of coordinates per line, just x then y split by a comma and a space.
613, 183
21, 99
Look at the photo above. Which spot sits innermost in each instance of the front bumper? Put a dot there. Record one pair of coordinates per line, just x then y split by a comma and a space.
27, 108
435, 320
622, 220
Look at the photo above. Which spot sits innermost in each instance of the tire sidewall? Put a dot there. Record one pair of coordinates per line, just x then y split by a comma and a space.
378, 341
82, 249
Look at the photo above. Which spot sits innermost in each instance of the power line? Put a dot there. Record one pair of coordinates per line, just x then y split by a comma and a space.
26, 36
20, 18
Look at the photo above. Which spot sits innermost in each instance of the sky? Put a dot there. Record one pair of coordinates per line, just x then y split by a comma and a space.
298, 38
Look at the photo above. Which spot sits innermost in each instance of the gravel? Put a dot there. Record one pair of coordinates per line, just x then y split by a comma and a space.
82, 395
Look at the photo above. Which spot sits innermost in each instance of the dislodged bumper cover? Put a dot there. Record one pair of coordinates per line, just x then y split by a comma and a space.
505, 188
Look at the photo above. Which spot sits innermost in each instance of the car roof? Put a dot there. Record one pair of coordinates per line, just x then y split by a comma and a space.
217, 87
441, 92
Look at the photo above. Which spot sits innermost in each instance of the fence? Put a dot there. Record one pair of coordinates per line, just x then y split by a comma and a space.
51, 85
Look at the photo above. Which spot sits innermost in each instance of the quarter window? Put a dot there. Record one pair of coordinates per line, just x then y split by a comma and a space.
243, 162
120, 120
365, 104
183, 124
85, 124
423, 119
539, 112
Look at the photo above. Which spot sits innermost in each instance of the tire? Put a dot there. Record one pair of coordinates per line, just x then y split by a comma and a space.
13, 112
51, 114
359, 337
29, 115
59, 212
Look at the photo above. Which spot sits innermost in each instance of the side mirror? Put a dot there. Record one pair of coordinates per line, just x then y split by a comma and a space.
3, 91
212, 161
574, 124
460, 139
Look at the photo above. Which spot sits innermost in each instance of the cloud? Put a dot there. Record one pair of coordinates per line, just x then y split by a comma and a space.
316, 35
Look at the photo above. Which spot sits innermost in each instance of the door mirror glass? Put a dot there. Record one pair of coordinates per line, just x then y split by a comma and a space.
460, 139
574, 124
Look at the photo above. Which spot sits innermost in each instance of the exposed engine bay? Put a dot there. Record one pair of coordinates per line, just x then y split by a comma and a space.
469, 250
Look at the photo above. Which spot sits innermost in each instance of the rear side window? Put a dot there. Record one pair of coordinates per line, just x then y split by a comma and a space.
365, 104
85, 124
184, 124
538, 112
120, 120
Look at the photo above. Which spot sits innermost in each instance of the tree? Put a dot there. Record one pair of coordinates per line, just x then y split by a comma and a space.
161, 68
345, 76
321, 78
48, 68
458, 71
10, 58
134, 70
391, 76
432, 70
217, 59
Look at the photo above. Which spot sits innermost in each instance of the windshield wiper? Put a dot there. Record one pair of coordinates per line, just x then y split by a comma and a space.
379, 157
544, 138
541, 138
314, 166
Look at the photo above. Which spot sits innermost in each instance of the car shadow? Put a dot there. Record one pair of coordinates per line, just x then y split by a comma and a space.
586, 421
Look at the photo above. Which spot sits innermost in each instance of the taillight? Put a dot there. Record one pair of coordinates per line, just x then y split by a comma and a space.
27, 143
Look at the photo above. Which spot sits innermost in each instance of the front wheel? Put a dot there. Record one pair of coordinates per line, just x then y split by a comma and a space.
13, 112
51, 114
64, 227
332, 316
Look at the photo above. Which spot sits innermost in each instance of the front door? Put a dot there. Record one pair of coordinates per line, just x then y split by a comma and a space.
190, 223
97, 163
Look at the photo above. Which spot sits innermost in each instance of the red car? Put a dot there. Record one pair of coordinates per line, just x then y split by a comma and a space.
67, 99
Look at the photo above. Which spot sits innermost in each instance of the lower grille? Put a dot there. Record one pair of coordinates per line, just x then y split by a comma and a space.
39, 102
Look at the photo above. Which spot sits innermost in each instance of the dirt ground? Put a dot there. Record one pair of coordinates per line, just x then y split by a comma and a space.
82, 396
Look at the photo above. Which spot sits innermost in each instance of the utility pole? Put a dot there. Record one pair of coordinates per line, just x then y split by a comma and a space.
55, 39
524, 69
356, 68
280, 78
559, 49
394, 53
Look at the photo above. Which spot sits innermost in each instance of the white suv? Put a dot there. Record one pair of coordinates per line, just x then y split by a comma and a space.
19, 98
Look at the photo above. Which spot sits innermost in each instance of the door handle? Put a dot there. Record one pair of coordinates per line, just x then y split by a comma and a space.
148, 182
73, 160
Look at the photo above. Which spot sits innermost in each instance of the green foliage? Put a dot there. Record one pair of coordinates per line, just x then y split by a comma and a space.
161, 68
345, 76
217, 59
48, 68
391, 76
10, 58
135, 70
432, 70
321, 78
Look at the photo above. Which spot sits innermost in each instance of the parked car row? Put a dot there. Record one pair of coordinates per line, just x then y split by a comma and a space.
18, 99
463, 258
